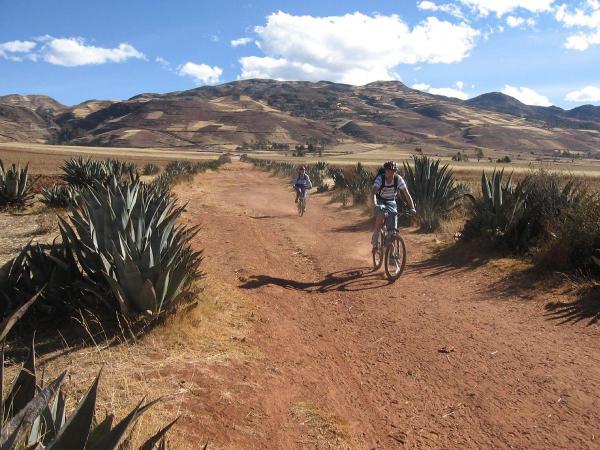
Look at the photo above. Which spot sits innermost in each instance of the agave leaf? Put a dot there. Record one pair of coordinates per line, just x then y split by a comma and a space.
11, 320
153, 440
1, 379
99, 431
22, 390
58, 411
113, 439
74, 434
24, 418
11, 440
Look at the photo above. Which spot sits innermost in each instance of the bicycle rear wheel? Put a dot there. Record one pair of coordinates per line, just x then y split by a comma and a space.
378, 254
301, 205
395, 258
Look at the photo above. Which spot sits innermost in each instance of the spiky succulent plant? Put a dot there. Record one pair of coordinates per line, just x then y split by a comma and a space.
15, 188
126, 238
86, 172
59, 196
33, 416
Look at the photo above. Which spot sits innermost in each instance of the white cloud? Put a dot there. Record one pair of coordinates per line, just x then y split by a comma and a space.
448, 8
501, 7
588, 18
162, 61
586, 94
71, 52
240, 41
201, 73
515, 21
16, 50
446, 92
527, 95
421, 86
354, 48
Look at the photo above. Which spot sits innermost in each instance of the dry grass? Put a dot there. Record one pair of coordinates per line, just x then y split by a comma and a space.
178, 361
323, 430
35, 223
47, 159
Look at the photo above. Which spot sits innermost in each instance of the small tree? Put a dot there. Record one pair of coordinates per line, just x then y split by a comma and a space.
479, 153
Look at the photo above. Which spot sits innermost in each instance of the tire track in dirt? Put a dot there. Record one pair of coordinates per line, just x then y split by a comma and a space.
436, 360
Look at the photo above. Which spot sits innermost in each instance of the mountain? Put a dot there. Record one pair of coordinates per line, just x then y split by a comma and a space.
583, 117
32, 102
293, 112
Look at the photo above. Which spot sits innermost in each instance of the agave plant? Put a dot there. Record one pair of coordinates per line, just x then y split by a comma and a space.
541, 198
33, 417
36, 266
15, 188
500, 202
150, 169
434, 190
125, 237
59, 196
86, 172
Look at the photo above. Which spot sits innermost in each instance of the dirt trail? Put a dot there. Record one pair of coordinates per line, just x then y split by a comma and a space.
447, 357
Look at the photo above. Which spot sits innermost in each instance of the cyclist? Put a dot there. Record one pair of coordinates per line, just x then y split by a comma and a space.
386, 188
301, 183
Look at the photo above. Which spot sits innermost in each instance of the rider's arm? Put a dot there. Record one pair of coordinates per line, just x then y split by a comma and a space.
294, 181
376, 185
407, 196
309, 183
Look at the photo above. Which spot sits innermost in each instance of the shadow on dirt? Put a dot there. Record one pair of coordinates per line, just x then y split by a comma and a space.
584, 308
279, 216
360, 227
351, 280
458, 256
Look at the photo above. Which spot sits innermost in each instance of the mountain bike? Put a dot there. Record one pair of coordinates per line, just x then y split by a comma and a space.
391, 249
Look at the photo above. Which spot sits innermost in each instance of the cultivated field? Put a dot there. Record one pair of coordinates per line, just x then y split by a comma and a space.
47, 159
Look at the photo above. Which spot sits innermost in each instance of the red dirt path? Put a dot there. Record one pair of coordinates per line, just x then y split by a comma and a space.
449, 356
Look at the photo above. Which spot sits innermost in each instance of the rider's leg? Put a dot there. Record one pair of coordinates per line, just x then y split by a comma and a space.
375, 236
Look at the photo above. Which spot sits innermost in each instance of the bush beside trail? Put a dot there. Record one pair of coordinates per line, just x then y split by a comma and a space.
121, 248
552, 218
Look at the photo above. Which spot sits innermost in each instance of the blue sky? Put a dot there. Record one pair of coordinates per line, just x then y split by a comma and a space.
540, 51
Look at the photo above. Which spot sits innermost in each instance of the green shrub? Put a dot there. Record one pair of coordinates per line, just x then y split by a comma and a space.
86, 172
523, 216
59, 196
495, 211
434, 190
126, 240
48, 267
150, 169
15, 188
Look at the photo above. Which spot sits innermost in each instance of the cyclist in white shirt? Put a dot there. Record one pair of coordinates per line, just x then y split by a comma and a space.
386, 188
301, 183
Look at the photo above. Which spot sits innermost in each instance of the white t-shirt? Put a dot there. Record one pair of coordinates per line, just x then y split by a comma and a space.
387, 192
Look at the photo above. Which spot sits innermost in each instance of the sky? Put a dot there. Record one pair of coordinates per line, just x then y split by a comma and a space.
541, 52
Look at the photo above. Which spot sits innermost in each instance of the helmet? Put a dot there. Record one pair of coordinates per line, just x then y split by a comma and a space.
391, 165
301, 168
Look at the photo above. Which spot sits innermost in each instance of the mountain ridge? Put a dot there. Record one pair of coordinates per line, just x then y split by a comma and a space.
290, 112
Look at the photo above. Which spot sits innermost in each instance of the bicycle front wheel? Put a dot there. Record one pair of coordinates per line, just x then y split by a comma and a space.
378, 253
395, 258
301, 205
